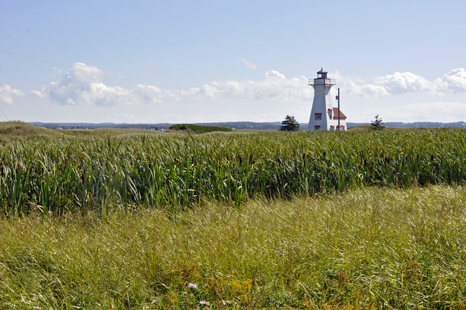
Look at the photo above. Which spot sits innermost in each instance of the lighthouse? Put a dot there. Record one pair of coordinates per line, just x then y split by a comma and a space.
323, 115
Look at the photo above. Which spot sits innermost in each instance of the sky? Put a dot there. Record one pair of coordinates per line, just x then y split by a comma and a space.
218, 61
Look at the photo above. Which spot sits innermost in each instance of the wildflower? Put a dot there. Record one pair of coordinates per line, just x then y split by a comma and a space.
192, 285
203, 302
184, 293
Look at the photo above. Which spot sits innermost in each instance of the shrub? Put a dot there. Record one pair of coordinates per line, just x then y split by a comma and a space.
198, 128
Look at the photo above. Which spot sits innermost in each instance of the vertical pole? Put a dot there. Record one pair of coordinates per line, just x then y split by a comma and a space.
339, 128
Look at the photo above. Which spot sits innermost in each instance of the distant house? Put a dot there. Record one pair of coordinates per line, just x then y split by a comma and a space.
335, 120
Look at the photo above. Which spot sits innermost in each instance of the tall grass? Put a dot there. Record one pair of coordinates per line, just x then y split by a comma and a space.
58, 174
376, 248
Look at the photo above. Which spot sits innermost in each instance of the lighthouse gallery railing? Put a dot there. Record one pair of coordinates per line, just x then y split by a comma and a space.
322, 82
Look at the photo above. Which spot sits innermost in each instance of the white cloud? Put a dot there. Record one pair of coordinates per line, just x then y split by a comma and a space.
7, 93
38, 93
355, 85
223, 117
248, 64
452, 82
86, 85
404, 82
274, 86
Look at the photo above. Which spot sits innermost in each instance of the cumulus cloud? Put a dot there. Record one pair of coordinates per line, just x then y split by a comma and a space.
356, 87
274, 86
7, 93
248, 64
404, 82
452, 82
85, 84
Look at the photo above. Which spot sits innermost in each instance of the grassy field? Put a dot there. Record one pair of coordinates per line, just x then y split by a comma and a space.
139, 219
103, 171
365, 249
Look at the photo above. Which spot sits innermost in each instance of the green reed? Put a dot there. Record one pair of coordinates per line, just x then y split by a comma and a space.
77, 174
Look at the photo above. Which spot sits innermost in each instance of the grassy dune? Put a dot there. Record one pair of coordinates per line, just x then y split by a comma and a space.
375, 248
17, 129
20, 130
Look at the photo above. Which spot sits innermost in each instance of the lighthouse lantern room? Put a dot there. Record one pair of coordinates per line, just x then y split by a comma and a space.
323, 115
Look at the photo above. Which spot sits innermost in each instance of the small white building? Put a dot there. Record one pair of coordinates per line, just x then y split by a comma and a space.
323, 115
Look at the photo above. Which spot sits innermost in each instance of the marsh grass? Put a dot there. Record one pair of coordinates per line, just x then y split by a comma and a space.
368, 248
61, 174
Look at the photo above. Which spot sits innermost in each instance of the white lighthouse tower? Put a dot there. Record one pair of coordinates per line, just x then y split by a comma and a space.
323, 115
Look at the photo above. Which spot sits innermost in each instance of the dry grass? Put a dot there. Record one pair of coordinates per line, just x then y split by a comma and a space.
367, 248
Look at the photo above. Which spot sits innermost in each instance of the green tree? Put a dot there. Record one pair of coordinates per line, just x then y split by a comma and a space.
290, 124
377, 124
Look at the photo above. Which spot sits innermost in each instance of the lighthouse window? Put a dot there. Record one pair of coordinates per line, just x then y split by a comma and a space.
317, 127
318, 116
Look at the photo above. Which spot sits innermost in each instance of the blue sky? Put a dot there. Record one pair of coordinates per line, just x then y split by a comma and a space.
206, 61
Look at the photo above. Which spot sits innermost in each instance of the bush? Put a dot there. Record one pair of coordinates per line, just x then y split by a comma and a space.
198, 128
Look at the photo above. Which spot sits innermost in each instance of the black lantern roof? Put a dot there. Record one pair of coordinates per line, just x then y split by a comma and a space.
322, 71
